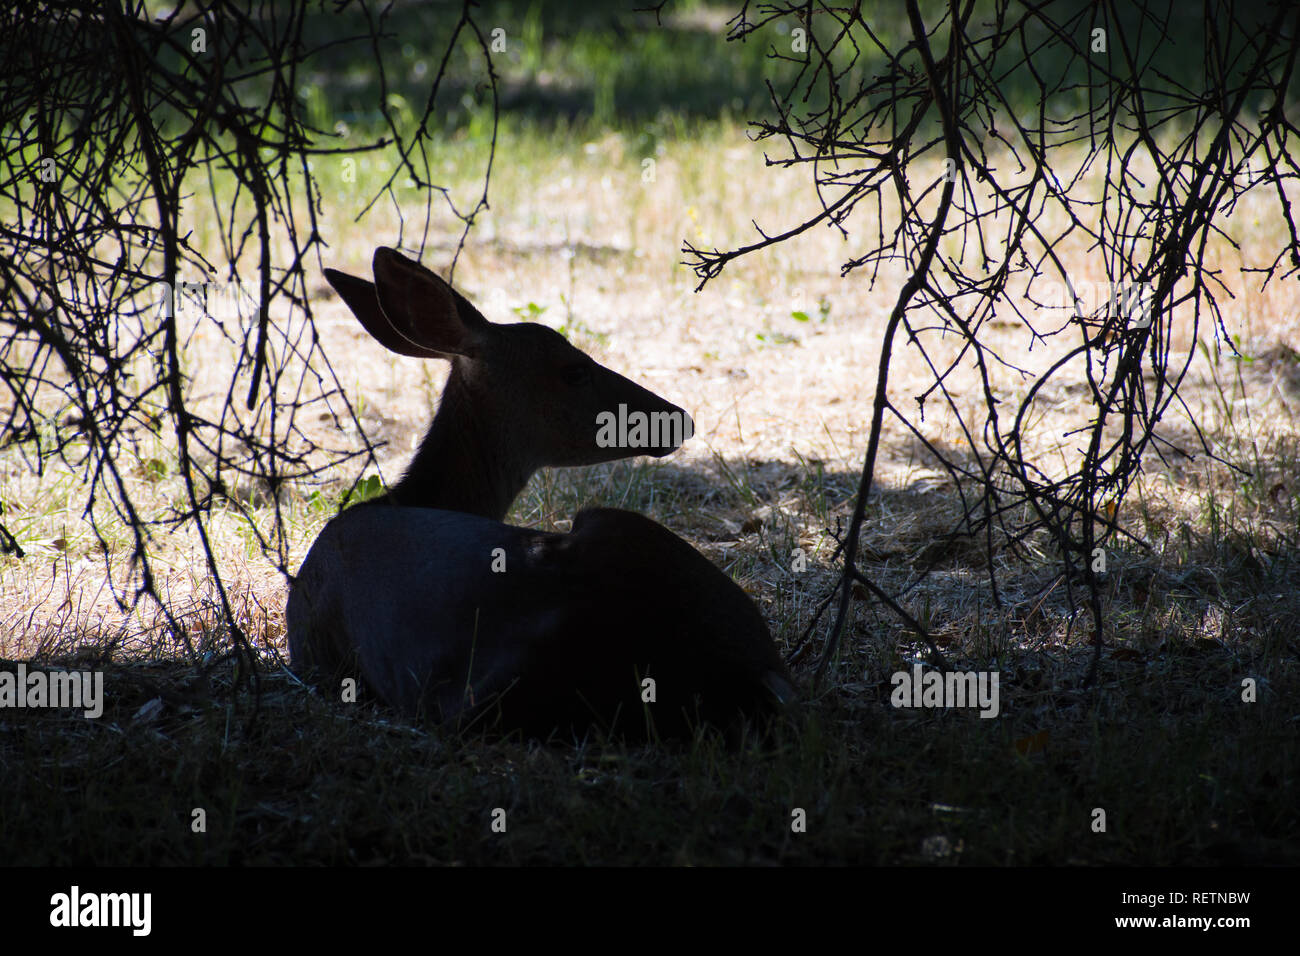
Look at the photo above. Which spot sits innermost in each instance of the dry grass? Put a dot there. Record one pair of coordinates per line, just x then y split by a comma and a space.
781, 408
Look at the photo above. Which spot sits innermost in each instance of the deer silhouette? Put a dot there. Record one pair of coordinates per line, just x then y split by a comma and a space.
446, 613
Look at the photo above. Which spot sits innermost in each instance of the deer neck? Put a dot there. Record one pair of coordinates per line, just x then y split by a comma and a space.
466, 461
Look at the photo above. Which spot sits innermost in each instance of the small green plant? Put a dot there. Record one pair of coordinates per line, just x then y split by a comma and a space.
320, 501
813, 481
366, 489
153, 469
823, 312
530, 312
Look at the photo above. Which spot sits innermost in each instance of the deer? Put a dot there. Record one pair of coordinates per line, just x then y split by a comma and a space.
444, 612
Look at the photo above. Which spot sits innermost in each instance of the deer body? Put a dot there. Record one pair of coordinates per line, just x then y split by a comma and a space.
543, 631
446, 613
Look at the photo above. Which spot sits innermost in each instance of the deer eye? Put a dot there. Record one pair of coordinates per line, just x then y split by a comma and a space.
576, 376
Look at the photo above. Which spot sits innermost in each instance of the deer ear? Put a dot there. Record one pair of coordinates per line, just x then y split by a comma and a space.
427, 311
360, 296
